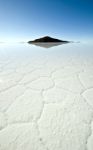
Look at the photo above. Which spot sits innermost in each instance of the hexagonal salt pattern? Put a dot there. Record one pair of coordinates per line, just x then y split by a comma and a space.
46, 99
20, 137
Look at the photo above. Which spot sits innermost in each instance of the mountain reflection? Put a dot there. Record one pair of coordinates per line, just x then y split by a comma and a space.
48, 45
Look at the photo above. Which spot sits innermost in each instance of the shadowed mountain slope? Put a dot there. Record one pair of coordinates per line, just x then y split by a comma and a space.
47, 39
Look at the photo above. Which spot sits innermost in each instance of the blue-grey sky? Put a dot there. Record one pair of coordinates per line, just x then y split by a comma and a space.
22, 20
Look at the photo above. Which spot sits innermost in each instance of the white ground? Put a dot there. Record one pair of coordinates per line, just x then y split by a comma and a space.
46, 100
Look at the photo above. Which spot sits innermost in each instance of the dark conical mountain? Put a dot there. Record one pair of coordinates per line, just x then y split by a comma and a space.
47, 39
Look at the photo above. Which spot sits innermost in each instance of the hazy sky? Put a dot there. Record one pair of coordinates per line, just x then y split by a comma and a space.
21, 20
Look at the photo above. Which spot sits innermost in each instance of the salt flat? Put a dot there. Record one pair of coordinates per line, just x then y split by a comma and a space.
46, 97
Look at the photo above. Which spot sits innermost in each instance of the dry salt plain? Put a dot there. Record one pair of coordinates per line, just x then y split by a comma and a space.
46, 97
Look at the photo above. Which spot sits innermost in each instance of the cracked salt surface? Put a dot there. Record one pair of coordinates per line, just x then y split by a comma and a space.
46, 97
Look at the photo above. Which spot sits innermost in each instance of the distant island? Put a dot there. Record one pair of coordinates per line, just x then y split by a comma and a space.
47, 39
